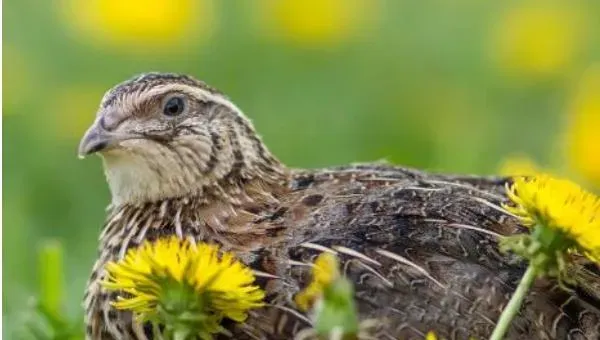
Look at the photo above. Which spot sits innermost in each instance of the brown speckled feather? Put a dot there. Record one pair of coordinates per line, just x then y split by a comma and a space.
421, 250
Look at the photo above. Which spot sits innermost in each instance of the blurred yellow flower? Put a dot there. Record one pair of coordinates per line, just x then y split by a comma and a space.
177, 278
518, 165
17, 78
538, 38
74, 108
431, 336
583, 132
559, 205
325, 271
140, 24
314, 22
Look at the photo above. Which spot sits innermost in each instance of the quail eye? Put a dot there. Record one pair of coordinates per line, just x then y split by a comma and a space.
174, 106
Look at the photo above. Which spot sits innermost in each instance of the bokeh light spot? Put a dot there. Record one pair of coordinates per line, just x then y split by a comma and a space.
518, 165
538, 39
17, 79
315, 22
140, 24
583, 133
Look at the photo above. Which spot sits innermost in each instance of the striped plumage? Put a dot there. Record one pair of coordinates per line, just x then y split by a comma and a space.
421, 248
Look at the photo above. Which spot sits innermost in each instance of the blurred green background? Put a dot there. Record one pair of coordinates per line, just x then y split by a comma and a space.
460, 86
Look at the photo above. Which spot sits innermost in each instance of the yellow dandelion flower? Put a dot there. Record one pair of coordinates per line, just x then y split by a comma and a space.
518, 165
139, 25
537, 38
431, 336
325, 271
582, 137
561, 206
564, 218
154, 275
314, 22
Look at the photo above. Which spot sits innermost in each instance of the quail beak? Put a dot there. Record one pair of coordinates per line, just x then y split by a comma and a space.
97, 139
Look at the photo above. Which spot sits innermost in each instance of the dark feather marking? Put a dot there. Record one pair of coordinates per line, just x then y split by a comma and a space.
216, 147
234, 174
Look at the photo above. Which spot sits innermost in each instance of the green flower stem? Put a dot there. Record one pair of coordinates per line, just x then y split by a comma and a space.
51, 263
514, 305
182, 334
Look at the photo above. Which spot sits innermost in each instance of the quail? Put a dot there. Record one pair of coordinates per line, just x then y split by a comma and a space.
421, 248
